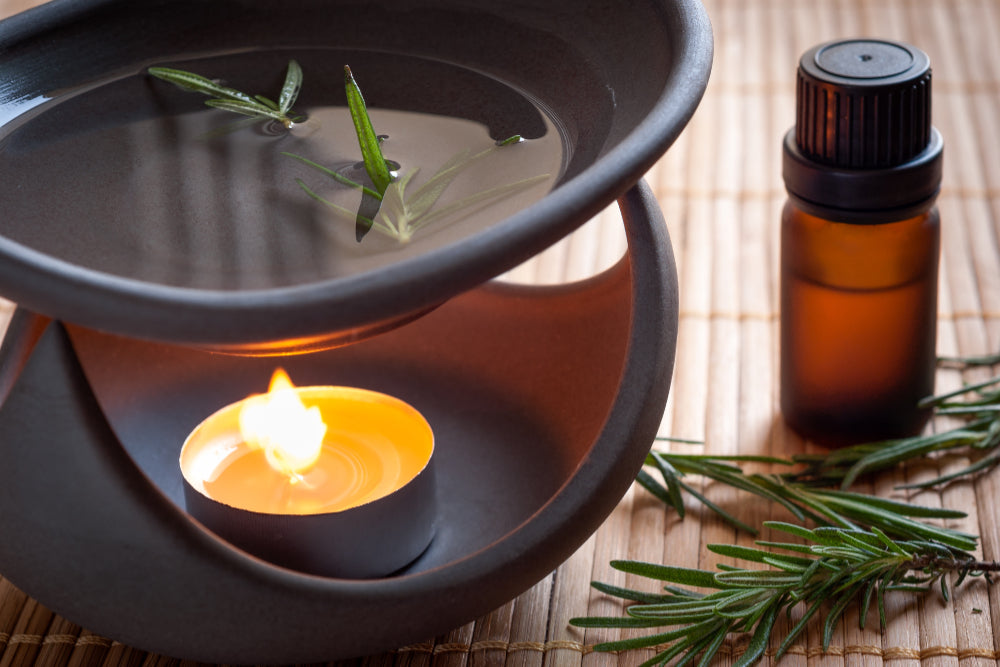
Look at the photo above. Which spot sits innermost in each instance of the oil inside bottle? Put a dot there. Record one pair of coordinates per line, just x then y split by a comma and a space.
858, 318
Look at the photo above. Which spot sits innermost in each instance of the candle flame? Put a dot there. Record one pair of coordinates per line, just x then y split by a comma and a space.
290, 434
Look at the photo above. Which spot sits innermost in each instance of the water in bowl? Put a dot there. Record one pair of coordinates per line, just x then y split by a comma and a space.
136, 178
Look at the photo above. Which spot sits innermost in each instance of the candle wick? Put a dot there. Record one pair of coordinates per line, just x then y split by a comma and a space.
298, 478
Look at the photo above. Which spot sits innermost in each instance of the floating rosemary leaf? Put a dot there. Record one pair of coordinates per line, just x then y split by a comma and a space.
386, 206
403, 212
340, 178
371, 150
230, 99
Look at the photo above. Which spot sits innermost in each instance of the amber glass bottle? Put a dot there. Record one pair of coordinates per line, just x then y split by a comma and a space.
859, 244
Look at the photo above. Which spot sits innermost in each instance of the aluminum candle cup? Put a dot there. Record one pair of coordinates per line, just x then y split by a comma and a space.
363, 506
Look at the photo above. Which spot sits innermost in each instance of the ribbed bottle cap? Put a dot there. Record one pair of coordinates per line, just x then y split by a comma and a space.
863, 103
863, 149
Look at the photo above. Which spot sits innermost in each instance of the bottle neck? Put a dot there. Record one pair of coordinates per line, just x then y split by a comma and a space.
863, 196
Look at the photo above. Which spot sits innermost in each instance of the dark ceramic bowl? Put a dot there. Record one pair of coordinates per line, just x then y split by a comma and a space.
131, 247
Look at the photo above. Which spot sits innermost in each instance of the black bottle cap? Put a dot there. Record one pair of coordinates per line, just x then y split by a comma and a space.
863, 139
863, 103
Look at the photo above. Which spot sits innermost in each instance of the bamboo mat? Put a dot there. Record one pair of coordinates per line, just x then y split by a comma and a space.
721, 193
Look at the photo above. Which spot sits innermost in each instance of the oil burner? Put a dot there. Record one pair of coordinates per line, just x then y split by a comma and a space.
170, 288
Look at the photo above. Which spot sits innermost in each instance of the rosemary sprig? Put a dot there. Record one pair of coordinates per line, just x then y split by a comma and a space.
403, 213
864, 545
978, 405
823, 506
230, 99
835, 566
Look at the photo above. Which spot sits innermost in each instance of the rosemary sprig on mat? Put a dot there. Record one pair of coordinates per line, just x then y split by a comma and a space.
979, 437
230, 99
863, 547
807, 489
834, 566
829, 507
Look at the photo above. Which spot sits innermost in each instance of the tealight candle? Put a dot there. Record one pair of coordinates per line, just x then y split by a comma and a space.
330, 480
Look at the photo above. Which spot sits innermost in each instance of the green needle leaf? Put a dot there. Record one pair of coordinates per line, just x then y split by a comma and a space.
245, 108
230, 99
268, 102
676, 575
371, 150
478, 199
198, 84
332, 174
761, 636
672, 479
830, 624
629, 594
647, 482
614, 622
291, 88
718, 510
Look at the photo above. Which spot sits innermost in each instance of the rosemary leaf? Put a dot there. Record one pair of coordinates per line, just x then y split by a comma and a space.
761, 636
291, 88
336, 207
245, 108
757, 578
230, 99
672, 480
902, 450
983, 464
637, 642
478, 199
646, 481
340, 178
906, 509
744, 553
712, 648
617, 622
844, 566
718, 510
941, 398
371, 150
676, 575
199, 84
629, 594
833, 616
268, 102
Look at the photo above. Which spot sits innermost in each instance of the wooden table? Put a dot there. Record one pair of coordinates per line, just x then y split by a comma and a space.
721, 192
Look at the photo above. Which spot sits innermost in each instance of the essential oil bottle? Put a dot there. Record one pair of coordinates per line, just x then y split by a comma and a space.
860, 243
